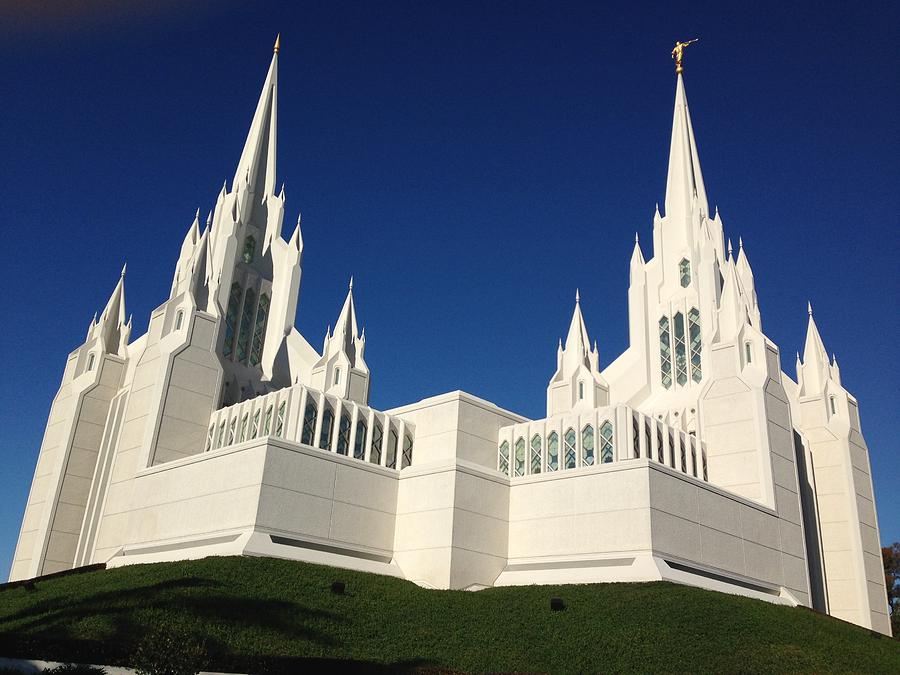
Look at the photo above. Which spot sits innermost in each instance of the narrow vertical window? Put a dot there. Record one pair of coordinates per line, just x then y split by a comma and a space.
90, 365
254, 425
553, 451
308, 434
267, 422
519, 464
242, 436
406, 458
671, 448
391, 458
279, 420
694, 335
249, 249
209, 437
684, 272
359, 443
833, 406
536, 453
748, 352
665, 352
259, 332
243, 342
343, 440
327, 424
648, 439
179, 317
337, 376
377, 438
587, 446
606, 442
683, 449
680, 353
660, 454
231, 318
503, 458
580, 391
693, 456
220, 435
570, 457
703, 459
231, 427
636, 435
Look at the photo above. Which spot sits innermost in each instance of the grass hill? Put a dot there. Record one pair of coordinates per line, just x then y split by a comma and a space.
263, 614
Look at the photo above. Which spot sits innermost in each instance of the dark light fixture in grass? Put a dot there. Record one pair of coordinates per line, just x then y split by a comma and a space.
557, 605
338, 587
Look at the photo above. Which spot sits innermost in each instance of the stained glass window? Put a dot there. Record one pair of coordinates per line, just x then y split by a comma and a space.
570, 456
694, 335
684, 272
680, 354
636, 435
220, 436
647, 439
249, 249
267, 422
279, 420
343, 440
503, 458
536, 453
259, 332
683, 454
231, 318
327, 424
665, 352
392, 450
359, 443
254, 425
519, 465
308, 433
377, 438
245, 420
660, 453
553, 451
606, 442
406, 458
587, 445
243, 343
231, 427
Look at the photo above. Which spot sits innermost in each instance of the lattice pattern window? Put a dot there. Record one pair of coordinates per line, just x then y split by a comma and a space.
259, 332
231, 318
570, 456
683, 455
359, 443
503, 458
406, 457
672, 449
684, 272
680, 353
665, 352
209, 437
308, 434
377, 439
254, 425
249, 249
327, 428
245, 420
694, 335
606, 442
267, 423
220, 436
660, 453
392, 450
231, 431
279, 420
703, 459
243, 343
343, 439
553, 451
693, 456
636, 435
536, 453
587, 446
519, 459
647, 439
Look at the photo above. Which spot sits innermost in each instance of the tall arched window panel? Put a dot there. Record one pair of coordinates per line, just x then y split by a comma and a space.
503, 458
636, 435
606, 442
249, 249
377, 439
680, 350
665, 352
553, 451
406, 457
327, 428
243, 343
279, 419
695, 344
519, 460
536, 453
245, 420
391, 458
587, 446
231, 318
267, 421
259, 332
308, 432
684, 272
359, 443
343, 439
570, 457
254, 424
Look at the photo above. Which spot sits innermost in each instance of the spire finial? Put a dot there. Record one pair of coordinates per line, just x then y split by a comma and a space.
741, 243
730, 250
809, 307
299, 216
678, 53
277, 46
577, 296
351, 282
123, 269
635, 237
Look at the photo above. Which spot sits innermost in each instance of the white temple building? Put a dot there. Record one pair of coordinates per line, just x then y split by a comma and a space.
691, 457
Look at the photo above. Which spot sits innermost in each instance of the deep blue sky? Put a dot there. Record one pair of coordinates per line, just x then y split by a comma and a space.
470, 165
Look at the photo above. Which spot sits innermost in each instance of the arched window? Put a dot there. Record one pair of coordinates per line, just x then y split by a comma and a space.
833, 406
359, 443
220, 435
231, 318
606, 442
503, 458
249, 249
536, 453
337, 376
327, 424
90, 365
647, 438
267, 422
391, 458
680, 352
231, 427
553, 451
684, 272
375, 450
209, 437
671, 448
245, 420
693, 455
581, 391
308, 434
259, 332
406, 459
694, 335
636, 435
587, 446
519, 464
660, 451
665, 352
279, 420
748, 352
343, 440
254, 425
683, 454
243, 343
570, 456
179, 317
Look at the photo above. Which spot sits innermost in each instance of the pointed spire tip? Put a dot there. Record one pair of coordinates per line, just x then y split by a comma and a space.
277, 47
123, 269
809, 307
577, 296
351, 282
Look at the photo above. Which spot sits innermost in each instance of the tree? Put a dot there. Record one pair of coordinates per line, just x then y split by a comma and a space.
890, 556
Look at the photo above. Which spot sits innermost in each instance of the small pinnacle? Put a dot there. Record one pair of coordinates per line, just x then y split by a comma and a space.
123, 269
95, 317
809, 307
595, 345
209, 219
197, 214
277, 46
740, 242
635, 237
577, 296
282, 190
351, 282
299, 216
560, 339
729, 248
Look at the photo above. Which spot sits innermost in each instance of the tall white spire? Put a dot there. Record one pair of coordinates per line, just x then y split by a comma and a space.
111, 323
346, 330
684, 178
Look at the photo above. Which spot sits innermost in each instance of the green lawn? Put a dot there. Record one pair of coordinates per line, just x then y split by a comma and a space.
249, 611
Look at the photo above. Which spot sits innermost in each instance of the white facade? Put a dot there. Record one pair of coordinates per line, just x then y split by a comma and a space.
691, 457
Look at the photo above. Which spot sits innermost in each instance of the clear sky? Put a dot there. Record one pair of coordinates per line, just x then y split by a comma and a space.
470, 164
